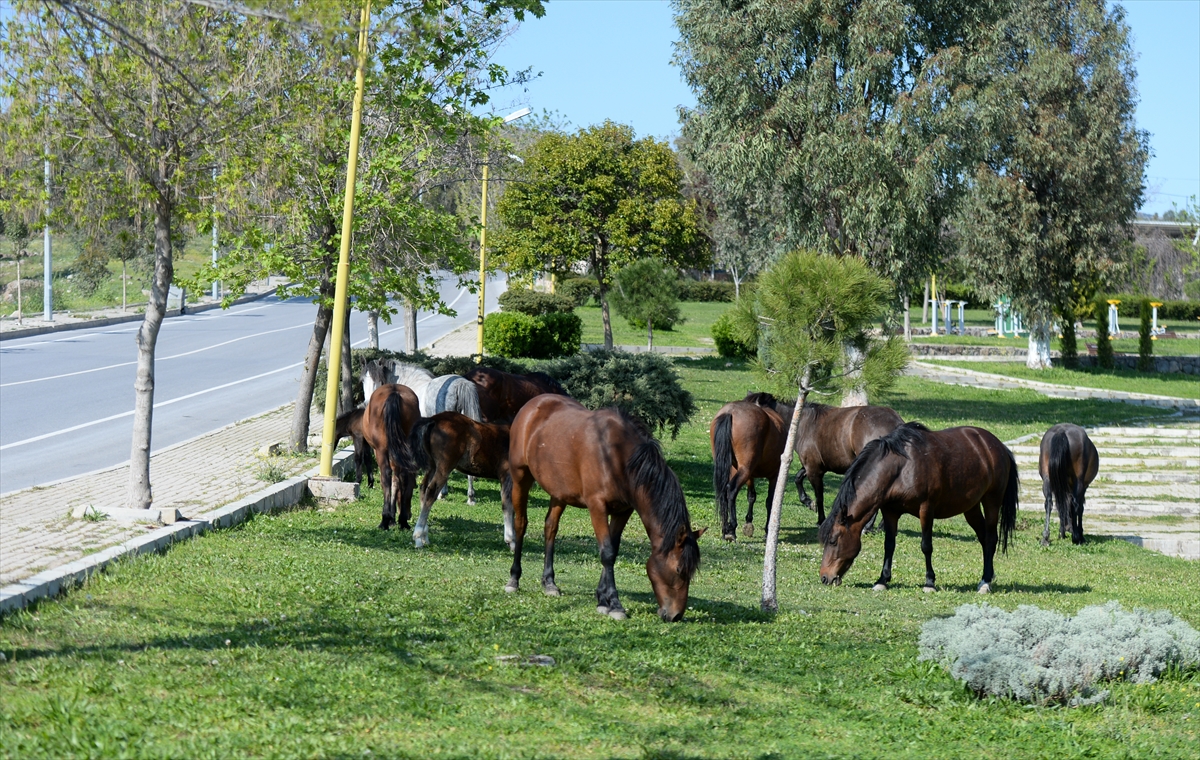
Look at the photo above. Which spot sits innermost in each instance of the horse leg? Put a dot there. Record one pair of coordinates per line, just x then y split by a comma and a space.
729, 509
800, 476
408, 484
520, 500
471, 490
385, 484
551, 533
1046, 492
428, 493
890, 522
751, 497
985, 531
927, 546
608, 535
1077, 512
818, 483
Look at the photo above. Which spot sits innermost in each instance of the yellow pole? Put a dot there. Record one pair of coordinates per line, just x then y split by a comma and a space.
482, 267
343, 269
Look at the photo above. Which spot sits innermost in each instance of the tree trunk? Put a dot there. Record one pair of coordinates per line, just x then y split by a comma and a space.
410, 328
373, 329
856, 395
347, 371
907, 323
124, 280
20, 312
608, 341
925, 305
300, 414
1038, 356
140, 494
650, 332
770, 602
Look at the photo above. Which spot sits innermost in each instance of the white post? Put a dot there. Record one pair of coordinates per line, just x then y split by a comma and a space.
962, 324
47, 271
933, 313
1114, 326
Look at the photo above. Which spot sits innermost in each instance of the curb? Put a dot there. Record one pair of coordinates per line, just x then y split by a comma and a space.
108, 321
50, 583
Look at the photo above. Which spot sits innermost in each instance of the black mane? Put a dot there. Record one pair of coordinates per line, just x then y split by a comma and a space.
549, 382
894, 442
648, 469
762, 399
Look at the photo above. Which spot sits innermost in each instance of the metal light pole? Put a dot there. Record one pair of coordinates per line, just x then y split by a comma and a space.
215, 289
47, 274
343, 271
483, 247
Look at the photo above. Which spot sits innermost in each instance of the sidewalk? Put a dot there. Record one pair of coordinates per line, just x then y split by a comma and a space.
196, 477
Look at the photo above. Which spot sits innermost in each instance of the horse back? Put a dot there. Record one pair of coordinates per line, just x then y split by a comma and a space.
1085, 459
957, 468
758, 434
373, 430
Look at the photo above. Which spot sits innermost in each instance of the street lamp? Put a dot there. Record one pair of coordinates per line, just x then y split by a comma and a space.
483, 244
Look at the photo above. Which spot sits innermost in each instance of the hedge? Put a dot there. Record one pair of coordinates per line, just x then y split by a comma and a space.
513, 334
534, 303
1130, 306
707, 291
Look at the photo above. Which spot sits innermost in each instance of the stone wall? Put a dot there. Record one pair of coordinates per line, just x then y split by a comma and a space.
1188, 365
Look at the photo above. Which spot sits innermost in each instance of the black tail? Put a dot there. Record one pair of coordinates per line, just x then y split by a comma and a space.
418, 441
398, 449
1008, 509
1061, 471
723, 463
648, 470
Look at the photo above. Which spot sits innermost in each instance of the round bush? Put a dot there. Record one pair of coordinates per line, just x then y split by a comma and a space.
727, 344
560, 335
508, 333
579, 290
534, 303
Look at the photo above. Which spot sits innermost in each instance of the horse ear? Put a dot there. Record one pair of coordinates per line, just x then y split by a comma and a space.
696, 534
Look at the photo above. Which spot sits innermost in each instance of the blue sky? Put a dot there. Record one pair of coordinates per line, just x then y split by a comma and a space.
611, 59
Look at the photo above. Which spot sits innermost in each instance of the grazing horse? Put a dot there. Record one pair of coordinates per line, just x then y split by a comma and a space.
451, 441
349, 425
502, 394
447, 393
1068, 464
388, 418
606, 463
932, 475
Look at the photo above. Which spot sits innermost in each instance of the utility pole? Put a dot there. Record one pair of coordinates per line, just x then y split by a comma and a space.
47, 274
216, 288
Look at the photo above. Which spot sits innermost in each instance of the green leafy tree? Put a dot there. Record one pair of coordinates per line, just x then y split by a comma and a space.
646, 293
806, 308
1059, 178
18, 234
598, 197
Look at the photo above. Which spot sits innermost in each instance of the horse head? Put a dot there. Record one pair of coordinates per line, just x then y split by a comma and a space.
671, 572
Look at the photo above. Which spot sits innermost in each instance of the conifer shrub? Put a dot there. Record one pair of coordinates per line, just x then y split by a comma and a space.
1069, 347
1104, 351
1145, 340
1043, 657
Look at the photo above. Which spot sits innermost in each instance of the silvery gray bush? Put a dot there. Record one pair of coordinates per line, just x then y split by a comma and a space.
1036, 655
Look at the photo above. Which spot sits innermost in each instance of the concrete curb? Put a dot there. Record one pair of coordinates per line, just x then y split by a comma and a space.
50, 583
108, 321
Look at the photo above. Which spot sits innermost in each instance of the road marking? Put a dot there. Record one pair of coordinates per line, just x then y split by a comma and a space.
158, 359
73, 428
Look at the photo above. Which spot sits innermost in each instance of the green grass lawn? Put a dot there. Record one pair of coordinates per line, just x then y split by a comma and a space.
693, 332
1163, 347
1132, 381
312, 634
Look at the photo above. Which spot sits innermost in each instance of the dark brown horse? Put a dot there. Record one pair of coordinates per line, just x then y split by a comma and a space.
349, 425
391, 412
502, 394
606, 463
932, 475
1068, 464
451, 441
827, 440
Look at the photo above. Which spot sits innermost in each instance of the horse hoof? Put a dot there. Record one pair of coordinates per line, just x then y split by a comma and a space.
730, 537
748, 530
470, 502
929, 589
420, 541
551, 590
511, 588
617, 614
879, 587
985, 588
600, 608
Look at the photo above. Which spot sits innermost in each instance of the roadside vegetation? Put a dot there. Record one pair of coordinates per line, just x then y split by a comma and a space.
312, 633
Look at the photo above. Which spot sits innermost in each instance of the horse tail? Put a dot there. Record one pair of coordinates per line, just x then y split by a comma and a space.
1060, 470
466, 396
648, 470
399, 451
418, 441
723, 463
1008, 508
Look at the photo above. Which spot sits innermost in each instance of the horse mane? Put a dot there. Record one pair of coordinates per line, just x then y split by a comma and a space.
406, 372
762, 399
815, 409
551, 383
892, 443
648, 469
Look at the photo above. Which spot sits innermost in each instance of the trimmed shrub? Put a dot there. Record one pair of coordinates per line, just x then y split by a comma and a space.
646, 386
508, 333
706, 291
561, 334
579, 290
1068, 346
1041, 656
533, 302
1104, 351
727, 343
1145, 340
1131, 306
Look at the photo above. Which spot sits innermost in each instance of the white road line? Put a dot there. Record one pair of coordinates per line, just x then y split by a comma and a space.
158, 359
73, 428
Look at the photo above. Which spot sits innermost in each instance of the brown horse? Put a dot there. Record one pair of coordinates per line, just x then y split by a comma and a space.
932, 475
349, 425
1068, 464
502, 394
606, 463
748, 442
451, 441
391, 412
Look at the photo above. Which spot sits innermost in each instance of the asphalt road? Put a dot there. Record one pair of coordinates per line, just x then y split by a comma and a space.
66, 399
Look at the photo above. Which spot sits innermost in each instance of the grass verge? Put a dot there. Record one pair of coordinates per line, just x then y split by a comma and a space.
1130, 381
694, 332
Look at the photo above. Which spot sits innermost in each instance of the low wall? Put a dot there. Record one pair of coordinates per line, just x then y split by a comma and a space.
1188, 365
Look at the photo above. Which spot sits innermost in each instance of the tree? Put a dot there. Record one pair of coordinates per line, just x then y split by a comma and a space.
18, 234
1059, 176
647, 292
805, 309
598, 197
